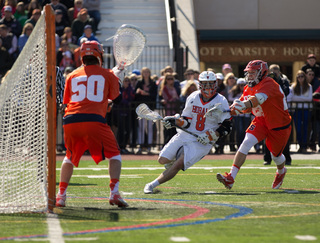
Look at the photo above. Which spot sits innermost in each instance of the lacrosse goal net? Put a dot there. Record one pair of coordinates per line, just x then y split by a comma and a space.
27, 124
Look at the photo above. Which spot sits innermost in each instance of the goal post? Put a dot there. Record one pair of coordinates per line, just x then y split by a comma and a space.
28, 124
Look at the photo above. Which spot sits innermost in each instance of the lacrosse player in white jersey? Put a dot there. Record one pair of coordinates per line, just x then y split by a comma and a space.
184, 149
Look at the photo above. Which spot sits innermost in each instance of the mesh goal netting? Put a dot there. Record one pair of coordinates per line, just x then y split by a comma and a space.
23, 129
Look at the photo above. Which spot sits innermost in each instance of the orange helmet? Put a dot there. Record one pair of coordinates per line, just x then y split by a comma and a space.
261, 69
92, 48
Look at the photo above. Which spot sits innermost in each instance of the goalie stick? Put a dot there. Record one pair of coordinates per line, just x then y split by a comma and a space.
144, 112
128, 44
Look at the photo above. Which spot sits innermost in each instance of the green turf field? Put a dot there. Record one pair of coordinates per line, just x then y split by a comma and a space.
193, 207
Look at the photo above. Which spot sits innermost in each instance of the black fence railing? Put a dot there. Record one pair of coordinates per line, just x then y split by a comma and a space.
133, 133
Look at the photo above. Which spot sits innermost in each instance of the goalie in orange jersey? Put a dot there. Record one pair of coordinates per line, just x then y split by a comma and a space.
87, 94
265, 99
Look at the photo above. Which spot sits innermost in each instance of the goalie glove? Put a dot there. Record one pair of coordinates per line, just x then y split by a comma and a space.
120, 73
237, 107
207, 137
170, 121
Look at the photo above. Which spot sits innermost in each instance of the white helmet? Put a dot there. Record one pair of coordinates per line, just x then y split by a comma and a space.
208, 84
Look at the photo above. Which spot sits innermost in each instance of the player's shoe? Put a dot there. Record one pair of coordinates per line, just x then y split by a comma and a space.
148, 189
278, 180
116, 199
61, 200
227, 180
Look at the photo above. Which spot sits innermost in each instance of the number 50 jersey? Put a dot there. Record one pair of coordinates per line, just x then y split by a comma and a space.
88, 89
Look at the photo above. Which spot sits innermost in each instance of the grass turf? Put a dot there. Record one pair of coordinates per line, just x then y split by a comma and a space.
192, 205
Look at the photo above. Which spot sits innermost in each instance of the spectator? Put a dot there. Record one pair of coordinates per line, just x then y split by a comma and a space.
221, 86
169, 98
55, 4
21, 13
315, 83
87, 33
67, 71
9, 41
77, 58
80, 22
188, 89
12, 4
69, 38
124, 114
23, 38
311, 63
36, 13
242, 120
284, 82
65, 57
93, 7
73, 12
316, 113
312, 80
134, 123
10, 21
5, 60
146, 92
189, 75
226, 68
301, 91
34, 4
60, 22
230, 82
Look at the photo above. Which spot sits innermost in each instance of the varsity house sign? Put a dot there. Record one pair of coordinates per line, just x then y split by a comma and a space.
244, 51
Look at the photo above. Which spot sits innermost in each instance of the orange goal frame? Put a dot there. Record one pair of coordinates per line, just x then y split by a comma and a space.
51, 104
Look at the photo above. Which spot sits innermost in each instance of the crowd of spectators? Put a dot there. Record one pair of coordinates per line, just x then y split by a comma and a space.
77, 21
74, 20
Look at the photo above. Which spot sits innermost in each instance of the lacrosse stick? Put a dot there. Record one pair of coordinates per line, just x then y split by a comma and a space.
128, 44
144, 112
215, 112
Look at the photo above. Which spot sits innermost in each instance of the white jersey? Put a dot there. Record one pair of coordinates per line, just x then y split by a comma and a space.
195, 109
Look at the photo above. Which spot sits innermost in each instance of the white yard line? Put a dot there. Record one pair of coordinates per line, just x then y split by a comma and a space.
55, 233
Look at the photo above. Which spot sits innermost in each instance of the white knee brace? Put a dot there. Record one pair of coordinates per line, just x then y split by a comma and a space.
117, 157
66, 161
278, 160
248, 142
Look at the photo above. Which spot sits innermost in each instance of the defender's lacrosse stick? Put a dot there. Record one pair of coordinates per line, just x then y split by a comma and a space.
215, 112
128, 44
144, 112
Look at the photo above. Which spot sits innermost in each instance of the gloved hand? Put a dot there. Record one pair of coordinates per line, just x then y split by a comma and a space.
237, 107
207, 137
120, 73
170, 121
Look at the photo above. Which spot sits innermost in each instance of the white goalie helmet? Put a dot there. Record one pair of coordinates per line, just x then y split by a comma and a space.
208, 84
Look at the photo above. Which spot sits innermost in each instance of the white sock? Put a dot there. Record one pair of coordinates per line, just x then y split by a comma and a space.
154, 183
234, 171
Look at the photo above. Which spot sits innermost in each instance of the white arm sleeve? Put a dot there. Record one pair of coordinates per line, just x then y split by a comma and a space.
261, 97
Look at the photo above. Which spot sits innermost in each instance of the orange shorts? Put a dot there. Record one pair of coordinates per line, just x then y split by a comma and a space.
276, 140
96, 137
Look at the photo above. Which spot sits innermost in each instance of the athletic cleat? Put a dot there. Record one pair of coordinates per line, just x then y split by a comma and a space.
116, 199
227, 180
278, 180
148, 189
61, 201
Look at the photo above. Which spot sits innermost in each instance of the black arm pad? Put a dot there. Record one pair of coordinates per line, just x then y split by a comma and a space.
186, 119
225, 128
